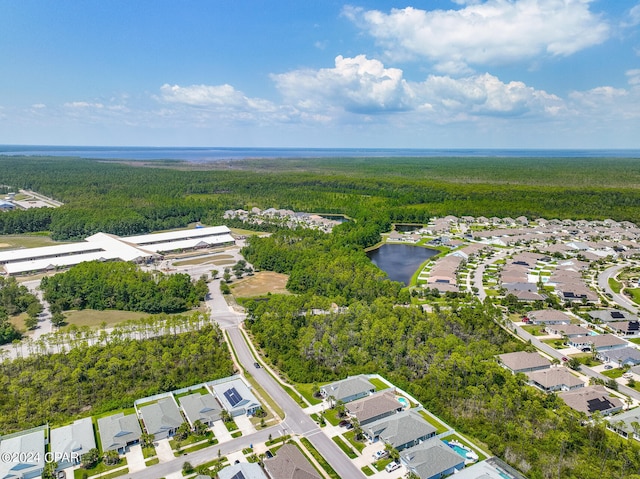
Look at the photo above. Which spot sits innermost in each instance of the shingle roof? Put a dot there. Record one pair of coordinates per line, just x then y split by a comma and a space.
401, 428
522, 360
372, 406
243, 470
200, 407
432, 457
348, 387
118, 430
289, 463
76, 438
549, 378
161, 416
590, 399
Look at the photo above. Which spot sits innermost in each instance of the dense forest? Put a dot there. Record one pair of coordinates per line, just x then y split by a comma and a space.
444, 358
123, 286
127, 199
55, 388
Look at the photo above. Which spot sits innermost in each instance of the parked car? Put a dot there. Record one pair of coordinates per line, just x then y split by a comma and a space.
392, 466
268, 454
608, 366
257, 365
349, 425
343, 423
380, 454
627, 375
565, 359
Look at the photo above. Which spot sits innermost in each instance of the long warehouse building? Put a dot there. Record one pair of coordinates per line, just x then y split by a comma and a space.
106, 247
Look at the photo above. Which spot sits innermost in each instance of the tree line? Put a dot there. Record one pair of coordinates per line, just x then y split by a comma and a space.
123, 286
15, 299
89, 380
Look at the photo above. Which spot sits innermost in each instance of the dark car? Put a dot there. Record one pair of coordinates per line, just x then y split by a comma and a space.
257, 365
343, 423
268, 454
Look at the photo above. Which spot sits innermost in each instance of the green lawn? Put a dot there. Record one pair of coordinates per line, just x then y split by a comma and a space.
200, 391
379, 384
615, 285
614, 373
634, 293
321, 460
440, 428
101, 468
534, 329
345, 447
351, 437
306, 389
555, 343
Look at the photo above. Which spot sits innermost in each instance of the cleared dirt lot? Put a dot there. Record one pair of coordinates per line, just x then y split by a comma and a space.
260, 284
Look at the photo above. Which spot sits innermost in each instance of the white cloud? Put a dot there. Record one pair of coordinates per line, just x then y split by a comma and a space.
223, 97
634, 77
488, 32
83, 105
357, 84
633, 17
364, 86
38, 106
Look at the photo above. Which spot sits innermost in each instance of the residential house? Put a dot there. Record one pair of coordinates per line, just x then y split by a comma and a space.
118, 431
200, 407
69, 443
349, 389
600, 342
624, 356
22, 454
548, 316
242, 470
403, 430
289, 463
374, 407
523, 362
568, 330
432, 459
627, 424
162, 418
612, 315
235, 396
591, 399
626, 328
554, 379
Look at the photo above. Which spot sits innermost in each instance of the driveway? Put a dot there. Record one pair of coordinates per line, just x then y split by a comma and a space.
163, 449
135, 458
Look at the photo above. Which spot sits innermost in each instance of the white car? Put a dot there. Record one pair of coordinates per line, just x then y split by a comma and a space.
627, 375
380, 454
392, 466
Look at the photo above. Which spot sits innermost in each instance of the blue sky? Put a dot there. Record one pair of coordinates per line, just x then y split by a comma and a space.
321, 73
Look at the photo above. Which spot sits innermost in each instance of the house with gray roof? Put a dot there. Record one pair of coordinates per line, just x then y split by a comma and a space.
627, 424
623, 356
349, 389
22, 454
548, 316
118, 431
289, 463
523, 362
162, 418
200, 407
69, 443
432, 459
568, 330
612, 315
591, 399
242, 470
374, 407
403, 430
235, 396
554, 379
600, 342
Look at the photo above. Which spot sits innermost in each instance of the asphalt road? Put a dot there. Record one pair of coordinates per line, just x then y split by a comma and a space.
603, 284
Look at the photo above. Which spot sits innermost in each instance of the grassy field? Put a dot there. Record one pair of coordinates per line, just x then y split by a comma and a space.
214, 259
260, 284
26, 241
634, 293
95, 319
616, 286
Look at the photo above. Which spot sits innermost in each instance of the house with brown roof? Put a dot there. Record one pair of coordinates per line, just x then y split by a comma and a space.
568, 330
374, 407
289, 463
591, 399
523, 362
554, 379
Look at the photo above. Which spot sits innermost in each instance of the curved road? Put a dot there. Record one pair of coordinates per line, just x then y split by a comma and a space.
603, 284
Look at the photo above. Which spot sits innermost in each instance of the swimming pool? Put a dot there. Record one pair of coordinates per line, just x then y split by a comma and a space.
458, 449
403, 401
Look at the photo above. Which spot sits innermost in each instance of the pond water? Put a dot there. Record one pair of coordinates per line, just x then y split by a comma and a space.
400, 261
